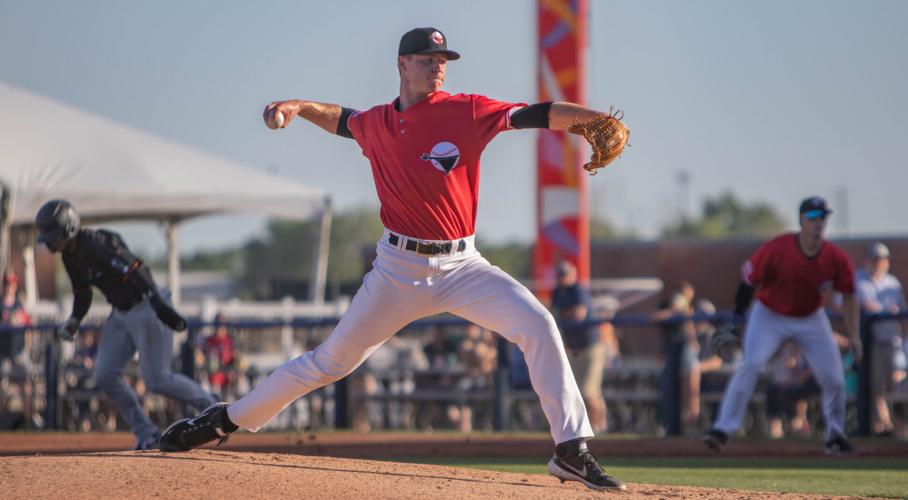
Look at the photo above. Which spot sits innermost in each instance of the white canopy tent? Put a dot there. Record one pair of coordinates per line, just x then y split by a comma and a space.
109, 171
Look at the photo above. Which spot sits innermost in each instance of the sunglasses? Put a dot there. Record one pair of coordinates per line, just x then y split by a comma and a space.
816, 214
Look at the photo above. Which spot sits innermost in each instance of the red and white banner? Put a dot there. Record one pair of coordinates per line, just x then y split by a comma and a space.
562, 220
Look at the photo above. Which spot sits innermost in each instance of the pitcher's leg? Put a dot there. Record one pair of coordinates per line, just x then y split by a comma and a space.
822, 353
487, 296
115, 350
762, 338
377, 312
154, 341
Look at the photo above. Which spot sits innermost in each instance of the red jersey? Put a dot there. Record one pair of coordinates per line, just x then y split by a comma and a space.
791, 283
425, 160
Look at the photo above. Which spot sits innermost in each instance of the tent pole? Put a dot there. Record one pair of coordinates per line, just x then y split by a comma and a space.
28, 259
173, 259
320, 262
5, 230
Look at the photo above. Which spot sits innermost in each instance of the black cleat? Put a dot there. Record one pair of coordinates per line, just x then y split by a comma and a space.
838, 444
584, 469
715, 439
148, 442
189, 433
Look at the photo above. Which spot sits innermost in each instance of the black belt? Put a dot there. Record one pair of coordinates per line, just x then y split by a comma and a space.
126, 305
428, 248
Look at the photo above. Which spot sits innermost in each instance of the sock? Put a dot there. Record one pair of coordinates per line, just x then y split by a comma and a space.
571, 448
226, 424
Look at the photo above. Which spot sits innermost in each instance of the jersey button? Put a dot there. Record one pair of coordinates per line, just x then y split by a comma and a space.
403, 131
402, 120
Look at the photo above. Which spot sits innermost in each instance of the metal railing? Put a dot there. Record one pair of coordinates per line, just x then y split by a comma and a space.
630, 390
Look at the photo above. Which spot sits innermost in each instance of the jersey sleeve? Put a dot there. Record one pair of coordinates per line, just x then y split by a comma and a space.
491, 116
81, 289
753, 271
844, 279
356, 123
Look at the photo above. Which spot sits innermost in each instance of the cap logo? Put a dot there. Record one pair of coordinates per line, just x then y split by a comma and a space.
437, 38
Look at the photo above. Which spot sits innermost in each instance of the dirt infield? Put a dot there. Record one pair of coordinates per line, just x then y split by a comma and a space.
389, 445
230, 474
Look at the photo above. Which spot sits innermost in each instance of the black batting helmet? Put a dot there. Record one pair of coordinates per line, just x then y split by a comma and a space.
57, 222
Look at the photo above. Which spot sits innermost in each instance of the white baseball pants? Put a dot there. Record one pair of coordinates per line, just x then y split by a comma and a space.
766, 330
404, 286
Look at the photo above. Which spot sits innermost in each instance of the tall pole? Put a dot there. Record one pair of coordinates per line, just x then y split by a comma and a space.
320, 259
562, 216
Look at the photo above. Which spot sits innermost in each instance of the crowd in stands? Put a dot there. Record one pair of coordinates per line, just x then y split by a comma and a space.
442, 376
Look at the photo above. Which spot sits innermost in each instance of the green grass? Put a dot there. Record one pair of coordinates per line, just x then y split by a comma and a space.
820, 476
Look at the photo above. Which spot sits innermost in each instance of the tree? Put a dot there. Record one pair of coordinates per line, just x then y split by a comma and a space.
514, 257
602, 228
726, 216
286, 253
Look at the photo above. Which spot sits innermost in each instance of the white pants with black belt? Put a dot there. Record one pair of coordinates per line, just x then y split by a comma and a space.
404, 286
766, 330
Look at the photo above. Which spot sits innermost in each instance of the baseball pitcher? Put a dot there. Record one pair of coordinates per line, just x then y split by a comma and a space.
424, 148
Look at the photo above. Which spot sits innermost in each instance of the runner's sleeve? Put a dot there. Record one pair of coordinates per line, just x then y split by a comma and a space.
81, 290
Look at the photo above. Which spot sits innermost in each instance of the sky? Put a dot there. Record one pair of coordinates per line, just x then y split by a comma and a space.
773, 100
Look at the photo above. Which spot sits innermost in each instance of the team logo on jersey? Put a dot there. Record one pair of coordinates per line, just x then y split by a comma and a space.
437, 38
444, 157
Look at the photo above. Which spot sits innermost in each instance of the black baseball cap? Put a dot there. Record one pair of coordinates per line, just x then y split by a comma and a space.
814, 207
425, 41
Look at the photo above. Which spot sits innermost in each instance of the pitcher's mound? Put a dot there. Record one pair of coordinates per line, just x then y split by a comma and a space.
239, 475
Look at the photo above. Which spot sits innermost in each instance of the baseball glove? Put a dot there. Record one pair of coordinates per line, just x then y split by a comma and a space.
726, 341
167, 314
606, 134
68, 330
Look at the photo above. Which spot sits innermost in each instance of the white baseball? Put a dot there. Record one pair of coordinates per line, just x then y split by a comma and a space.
276, 121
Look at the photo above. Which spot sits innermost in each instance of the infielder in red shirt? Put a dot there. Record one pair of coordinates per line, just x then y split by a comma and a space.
424, 148
790, 273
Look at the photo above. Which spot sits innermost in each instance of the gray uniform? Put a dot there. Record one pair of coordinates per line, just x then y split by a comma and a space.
100, 258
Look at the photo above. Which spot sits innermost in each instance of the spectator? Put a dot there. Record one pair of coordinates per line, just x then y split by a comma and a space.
900, 376
695, 360
879, 292
220, 357
572, 308
713, 370
441, 351
479, 355
89, 412
15, 402
790, 384
12, 314
678, 330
